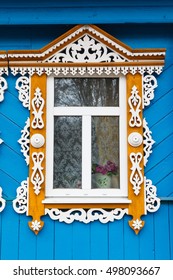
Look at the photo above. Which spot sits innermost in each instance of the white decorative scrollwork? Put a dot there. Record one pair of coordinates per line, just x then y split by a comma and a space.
24, 140
86, 216
135, 139
37, 140
23, 87
1, 141
37, 106
136, 177
2, 201
20, 202
147, 141
64, 71
3, 87
86, 49
135, 103
37, 177
152, 201
149, 84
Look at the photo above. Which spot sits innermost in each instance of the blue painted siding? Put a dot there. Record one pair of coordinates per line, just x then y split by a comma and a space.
73, 12
95, 240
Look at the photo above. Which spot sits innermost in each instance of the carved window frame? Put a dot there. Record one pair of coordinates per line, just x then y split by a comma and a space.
101, 54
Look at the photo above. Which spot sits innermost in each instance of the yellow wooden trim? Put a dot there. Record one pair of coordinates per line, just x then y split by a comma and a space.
137, 207
87, 205
35, 206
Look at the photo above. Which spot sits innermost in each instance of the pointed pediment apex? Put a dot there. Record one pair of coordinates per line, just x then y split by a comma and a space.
86, 45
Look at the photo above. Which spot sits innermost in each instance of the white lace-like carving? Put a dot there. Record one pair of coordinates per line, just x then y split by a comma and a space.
24, 140
136, 177
37, 177
20, 202
37, 106
135, 103
147, 141
64, 71
86, 49
152, 201
149, 84
2, 201
84, 216
23, 87
3, 87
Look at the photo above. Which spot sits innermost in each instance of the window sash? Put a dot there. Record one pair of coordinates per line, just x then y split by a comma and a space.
90, 195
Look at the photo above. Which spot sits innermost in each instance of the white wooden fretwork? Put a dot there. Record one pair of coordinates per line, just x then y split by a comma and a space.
149, 85
37, 109
71, 71
37, 177
23, 87
136, 177
2, 201
135, 103
147, 141
20, 202
152, 201
3, 87
86, 49
24, 141
86, 216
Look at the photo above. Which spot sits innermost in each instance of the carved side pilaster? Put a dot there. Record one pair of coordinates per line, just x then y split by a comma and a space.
37, 152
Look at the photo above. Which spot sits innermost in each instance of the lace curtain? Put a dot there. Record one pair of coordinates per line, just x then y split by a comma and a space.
68, 130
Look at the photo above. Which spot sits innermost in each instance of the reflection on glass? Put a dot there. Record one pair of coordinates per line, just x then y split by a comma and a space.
67, 152
86, 92
105, 152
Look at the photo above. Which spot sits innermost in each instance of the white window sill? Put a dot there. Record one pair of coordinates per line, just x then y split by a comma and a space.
65, 200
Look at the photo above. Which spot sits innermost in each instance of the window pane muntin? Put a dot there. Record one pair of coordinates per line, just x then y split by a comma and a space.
94, 92
116, 194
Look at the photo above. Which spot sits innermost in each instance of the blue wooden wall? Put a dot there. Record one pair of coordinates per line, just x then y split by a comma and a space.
93, 241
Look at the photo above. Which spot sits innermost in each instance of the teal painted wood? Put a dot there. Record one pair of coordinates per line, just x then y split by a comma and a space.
63, 241
46, 237
81, 241
99, 241
162, 233
27, 241
147, 239
116, 240
87, 12
171, 229
9, 234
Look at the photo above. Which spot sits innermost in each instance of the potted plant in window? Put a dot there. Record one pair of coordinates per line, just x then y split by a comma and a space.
103, 174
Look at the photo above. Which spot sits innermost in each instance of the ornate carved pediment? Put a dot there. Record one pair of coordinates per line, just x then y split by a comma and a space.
89, 45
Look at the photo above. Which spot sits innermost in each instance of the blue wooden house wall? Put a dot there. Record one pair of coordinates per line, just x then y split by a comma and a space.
138, 25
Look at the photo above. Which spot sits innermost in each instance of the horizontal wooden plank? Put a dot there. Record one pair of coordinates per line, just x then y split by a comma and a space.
83, 3
74, 15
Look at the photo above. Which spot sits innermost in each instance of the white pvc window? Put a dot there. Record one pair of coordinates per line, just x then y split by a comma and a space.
86, 139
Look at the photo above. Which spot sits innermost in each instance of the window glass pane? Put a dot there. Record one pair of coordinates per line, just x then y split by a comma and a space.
67, 152
105, 152
86, 92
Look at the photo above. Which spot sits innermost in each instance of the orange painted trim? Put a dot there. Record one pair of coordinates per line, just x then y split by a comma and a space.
87, 205
35, 206
101, 64
137, 207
